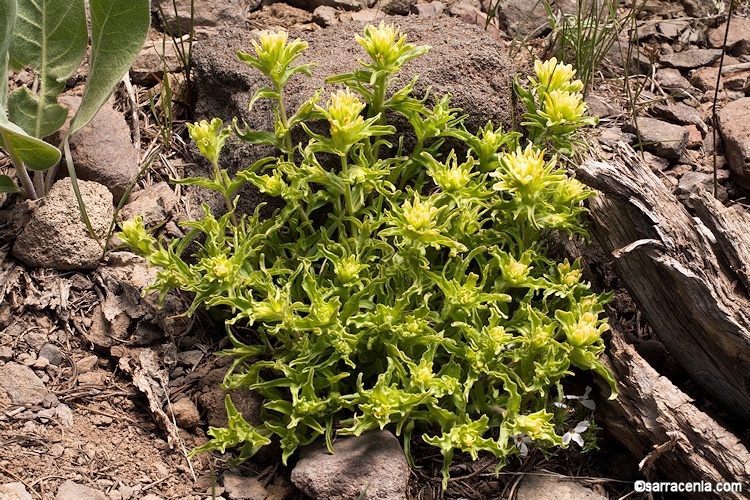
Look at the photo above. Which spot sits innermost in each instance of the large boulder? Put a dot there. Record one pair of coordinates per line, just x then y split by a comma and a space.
465, 62
56, 236
102, 151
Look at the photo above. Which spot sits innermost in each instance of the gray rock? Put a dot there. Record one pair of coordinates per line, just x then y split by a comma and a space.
156, 55
610, 136
361, 16
602, 106
345, 5
185, 413
655, 163
465, 61
190, 358
103, 151
87, 364
431, 9
700, 8
155, 203
14, 491
672, 28
398, 7
6, 353
525, 18
129, 492
22, 384
52, 353
472, 14
206, 14
671, 79
690, 181
738, 41
639, 61
661, 138
56, 236
237, 487
691, 58
248, 403
681, 113
735, 129
35, 340
65, 415
543, 487
325, 16
373, 463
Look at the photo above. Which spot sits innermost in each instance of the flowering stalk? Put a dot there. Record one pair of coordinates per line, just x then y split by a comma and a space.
555, 109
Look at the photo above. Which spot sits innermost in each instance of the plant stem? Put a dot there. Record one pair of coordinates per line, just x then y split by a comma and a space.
284, 121
227, 201
348, 196
378, 102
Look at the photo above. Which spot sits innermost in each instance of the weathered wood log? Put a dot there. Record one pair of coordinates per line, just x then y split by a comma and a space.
688, 276
656, 421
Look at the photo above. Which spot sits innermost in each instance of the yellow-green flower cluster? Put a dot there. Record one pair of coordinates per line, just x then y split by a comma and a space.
525, 171
564, 108
555, 105
387, 47
274, 54
583, 327
209, 137
551, 76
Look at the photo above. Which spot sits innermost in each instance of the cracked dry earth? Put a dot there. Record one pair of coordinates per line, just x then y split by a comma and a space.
102, 394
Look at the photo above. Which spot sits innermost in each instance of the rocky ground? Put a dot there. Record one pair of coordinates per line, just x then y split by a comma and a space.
102, 394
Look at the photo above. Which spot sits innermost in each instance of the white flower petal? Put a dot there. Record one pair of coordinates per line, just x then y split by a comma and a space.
524, 449
581, 426
567, 437
589, 403
578, 439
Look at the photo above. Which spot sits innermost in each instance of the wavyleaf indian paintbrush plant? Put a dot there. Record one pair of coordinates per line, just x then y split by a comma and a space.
402, 289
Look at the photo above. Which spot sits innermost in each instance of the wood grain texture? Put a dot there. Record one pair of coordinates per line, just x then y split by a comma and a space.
689, 276
650, 413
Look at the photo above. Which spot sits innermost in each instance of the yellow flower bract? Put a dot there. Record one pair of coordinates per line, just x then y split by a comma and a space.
554, 76
420, 216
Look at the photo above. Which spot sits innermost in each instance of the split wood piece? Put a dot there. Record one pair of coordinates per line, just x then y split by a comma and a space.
689, 281
657, 422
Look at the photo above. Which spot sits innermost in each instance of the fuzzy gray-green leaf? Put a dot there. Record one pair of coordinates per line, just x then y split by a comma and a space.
118, 30
50, 36
36, 117
34, 153
7, 23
